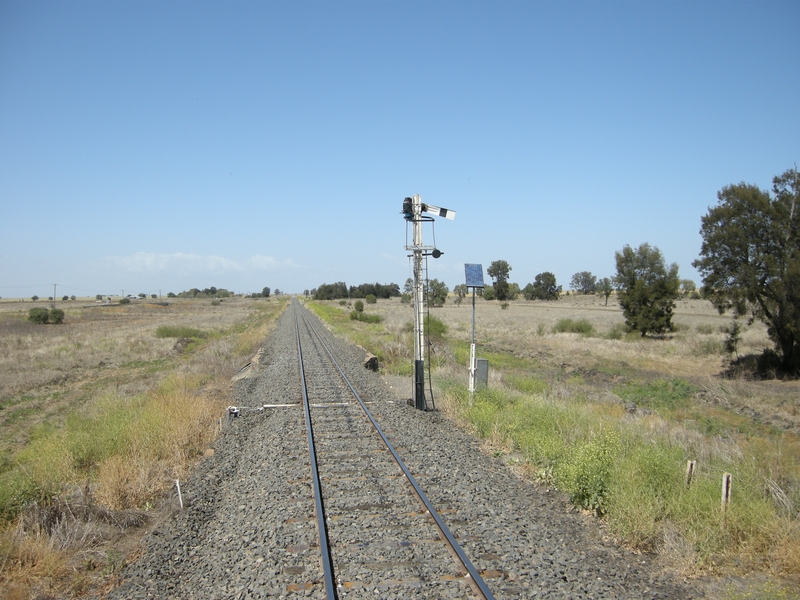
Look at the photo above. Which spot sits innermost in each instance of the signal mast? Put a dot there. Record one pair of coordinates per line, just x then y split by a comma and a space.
412, 212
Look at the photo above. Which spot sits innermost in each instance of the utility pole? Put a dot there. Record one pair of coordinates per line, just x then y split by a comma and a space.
54, 294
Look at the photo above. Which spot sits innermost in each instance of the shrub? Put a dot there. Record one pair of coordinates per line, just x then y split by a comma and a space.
365, 317
57, 316
582, 327
371, 299
617, 332
586, 473
124, 300
504, 305
359, 306
38, 315
434, 328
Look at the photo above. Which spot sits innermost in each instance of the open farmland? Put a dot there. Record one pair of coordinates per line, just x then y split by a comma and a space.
102, 413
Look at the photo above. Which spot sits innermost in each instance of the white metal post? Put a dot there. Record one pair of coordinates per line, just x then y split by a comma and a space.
472, 358
419, 313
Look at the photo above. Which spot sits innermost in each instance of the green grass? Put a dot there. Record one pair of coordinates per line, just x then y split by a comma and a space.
630, 474
659, 394
365, 317
581, 326
371, 336
169, 331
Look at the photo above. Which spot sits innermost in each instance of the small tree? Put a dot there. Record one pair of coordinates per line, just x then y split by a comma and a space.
142, 295
499, 271
124, 301
371, 299
358, 305
437, 292
604, 288
98, 296
408, 288
34, 298
171, 295
64, 298
688, 287
73, 298
734, 336
265, 292
647, 289
583, 282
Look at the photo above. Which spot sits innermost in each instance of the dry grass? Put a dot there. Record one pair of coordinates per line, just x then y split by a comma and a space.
98, 418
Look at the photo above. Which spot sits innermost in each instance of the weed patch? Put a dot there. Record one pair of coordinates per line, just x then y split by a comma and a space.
581, 326
171, 331
669, 394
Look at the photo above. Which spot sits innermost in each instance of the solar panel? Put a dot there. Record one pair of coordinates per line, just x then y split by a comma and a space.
474, 275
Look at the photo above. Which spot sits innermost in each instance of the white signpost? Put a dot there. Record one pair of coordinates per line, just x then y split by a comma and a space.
474, 277
412, 212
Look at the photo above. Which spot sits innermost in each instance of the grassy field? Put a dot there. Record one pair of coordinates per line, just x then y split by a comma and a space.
98, 417
612, 419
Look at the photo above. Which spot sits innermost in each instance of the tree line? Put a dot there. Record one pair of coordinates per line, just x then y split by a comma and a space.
339, 290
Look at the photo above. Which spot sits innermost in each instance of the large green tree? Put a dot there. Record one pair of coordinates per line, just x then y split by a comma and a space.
499, 271
647, 288
750, 258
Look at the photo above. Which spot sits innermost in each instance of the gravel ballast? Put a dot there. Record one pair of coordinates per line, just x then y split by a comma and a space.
248, 528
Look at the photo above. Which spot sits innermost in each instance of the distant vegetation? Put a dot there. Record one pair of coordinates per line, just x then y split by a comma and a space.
338, 290
44, 316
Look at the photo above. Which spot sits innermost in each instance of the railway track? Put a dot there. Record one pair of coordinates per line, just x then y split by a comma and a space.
249, 529
377, 529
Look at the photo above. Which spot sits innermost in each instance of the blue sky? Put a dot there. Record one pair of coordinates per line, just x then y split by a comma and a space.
151, 146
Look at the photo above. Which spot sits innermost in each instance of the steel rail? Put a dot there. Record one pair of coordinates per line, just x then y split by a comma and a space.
322, 528
478, 583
